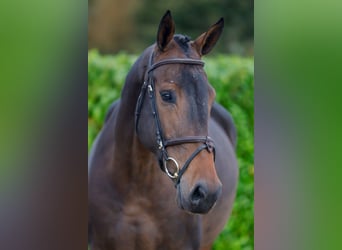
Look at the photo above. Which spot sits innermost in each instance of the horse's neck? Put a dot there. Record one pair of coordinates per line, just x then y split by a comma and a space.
132, 158
131, 89
124, 127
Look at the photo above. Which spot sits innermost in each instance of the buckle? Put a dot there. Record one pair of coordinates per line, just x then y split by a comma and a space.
209, 144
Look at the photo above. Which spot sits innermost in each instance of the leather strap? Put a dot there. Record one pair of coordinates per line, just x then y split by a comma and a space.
175, 61
188, 161
189, 139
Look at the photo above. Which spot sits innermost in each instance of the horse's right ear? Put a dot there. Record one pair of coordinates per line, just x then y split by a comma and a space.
166, 31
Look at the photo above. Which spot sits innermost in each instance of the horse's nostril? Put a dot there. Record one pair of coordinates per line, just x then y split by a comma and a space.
198, 194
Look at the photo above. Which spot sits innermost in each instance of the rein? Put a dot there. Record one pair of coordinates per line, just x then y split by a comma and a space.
149, 86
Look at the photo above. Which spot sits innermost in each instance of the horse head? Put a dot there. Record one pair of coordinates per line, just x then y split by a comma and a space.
173, 111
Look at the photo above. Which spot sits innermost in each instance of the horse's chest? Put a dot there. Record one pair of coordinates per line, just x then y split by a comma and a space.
136, 229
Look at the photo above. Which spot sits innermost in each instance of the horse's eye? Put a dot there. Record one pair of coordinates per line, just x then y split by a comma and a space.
168, 96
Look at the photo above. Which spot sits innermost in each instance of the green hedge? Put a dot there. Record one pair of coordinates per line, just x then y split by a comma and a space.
233, 80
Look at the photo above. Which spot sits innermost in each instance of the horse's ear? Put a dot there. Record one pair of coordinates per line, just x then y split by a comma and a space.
166, 31
205, 42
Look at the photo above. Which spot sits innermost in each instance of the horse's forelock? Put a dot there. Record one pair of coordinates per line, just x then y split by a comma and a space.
183, 42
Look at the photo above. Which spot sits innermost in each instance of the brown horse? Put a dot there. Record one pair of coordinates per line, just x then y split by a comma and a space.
166, 118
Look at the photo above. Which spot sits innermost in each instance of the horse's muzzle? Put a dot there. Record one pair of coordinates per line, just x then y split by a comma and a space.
201, 199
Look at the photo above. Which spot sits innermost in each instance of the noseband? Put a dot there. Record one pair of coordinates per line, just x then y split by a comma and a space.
162, 143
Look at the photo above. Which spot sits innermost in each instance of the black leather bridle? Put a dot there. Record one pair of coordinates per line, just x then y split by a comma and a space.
162, 143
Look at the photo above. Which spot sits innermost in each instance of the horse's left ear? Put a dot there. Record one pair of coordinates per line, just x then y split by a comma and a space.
166, 31
205, 42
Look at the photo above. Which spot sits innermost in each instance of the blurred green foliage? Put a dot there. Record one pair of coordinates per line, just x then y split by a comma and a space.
233, 80
116, 25
193, 17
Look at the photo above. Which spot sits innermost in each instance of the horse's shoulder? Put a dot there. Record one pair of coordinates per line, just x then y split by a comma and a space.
225, 120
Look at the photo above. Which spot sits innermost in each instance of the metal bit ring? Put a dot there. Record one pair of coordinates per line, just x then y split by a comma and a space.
175, 175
